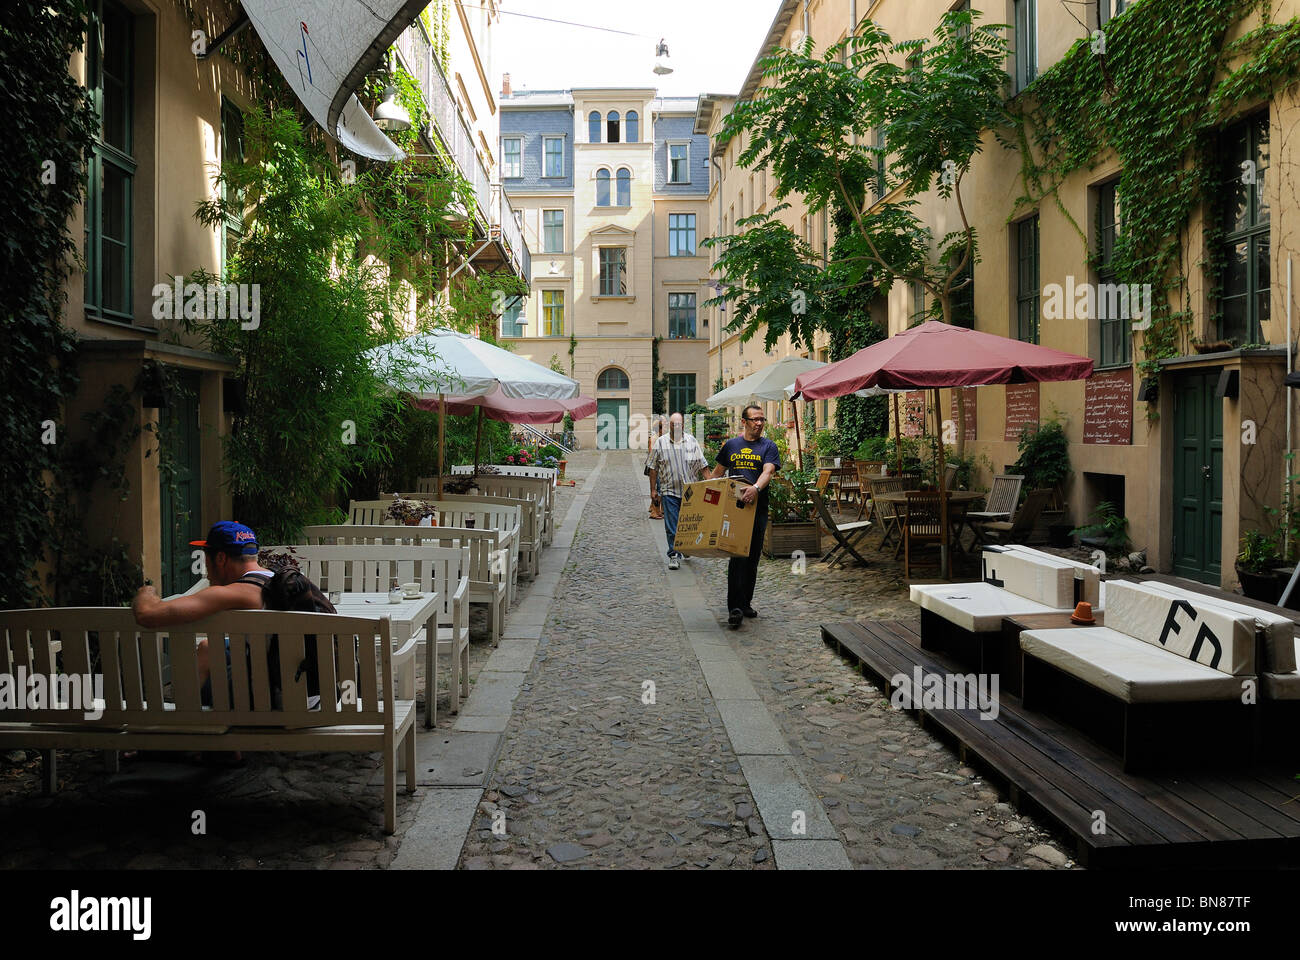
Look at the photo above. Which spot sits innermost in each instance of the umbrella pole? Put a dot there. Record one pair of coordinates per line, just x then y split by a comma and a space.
944, 558
442, 439
478, 437
898, 436
794, 405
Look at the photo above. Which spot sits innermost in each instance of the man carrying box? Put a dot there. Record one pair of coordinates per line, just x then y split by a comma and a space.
753, 458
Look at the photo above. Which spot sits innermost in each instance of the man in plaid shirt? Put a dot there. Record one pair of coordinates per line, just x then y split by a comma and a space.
676, 459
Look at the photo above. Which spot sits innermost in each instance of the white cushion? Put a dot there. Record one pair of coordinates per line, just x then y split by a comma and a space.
1090, 587
1127, 668
1042, 579
1282, 686
1279, 631
976, 607
1195, 630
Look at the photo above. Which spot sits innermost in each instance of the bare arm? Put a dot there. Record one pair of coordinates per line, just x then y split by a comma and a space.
717, 471
151, 611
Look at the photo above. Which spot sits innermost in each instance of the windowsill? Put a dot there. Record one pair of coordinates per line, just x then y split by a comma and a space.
122, 324
677, 183
613, 206
613, 296
1107, 368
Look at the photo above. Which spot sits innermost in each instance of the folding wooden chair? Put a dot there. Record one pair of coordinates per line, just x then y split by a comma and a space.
865, 470
887, 514
845, 534
1000, 503
922, 523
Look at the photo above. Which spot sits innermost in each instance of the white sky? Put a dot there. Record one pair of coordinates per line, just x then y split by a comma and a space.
711, 44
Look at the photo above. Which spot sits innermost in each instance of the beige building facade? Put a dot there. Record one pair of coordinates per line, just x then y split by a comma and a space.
611, 185
171, 118
1199, 461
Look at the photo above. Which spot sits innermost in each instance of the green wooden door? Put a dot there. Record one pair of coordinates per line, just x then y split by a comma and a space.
611, 424
1198, 477
181, 513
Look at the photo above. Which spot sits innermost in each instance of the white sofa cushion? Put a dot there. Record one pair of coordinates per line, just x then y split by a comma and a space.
1128, 668
1197, 631
1282, 686
1279, 631
1044, 579
1087, 577
977, 607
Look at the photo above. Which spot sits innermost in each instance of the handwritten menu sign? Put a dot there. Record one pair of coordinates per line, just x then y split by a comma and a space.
1108, 407
914, 413
1022, 408
968, 395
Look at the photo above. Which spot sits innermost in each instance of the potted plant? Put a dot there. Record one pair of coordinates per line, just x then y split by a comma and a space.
409, 512
792, 524
1259, 555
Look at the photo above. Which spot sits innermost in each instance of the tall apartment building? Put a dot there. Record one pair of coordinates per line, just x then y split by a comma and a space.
168, 121
611, 186
1194, 457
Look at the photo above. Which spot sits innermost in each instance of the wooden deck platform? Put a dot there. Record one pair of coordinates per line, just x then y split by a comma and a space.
1116, 820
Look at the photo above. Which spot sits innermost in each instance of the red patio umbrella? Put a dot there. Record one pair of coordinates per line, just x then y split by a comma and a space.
497, 406
936, 355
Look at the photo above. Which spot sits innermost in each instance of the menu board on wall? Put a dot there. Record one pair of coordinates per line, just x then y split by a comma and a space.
968, 395
914, 413
1022, 409
1108, 407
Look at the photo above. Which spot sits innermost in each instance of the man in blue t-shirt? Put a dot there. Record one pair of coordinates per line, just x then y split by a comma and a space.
753, 458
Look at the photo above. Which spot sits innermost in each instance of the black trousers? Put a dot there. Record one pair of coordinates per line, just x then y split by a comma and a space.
742, 572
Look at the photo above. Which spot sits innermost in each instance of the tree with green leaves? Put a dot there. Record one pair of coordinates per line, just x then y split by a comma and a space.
864, 129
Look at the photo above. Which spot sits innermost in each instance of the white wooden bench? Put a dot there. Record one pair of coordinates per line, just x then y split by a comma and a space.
538, 490
521, 525
354, 658
549, 474
489, 561
366, 568
1173, 681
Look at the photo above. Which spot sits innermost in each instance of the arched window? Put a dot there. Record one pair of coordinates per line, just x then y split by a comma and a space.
612, 379
633, 124
611, 127
593, 127
624, 198
602, 187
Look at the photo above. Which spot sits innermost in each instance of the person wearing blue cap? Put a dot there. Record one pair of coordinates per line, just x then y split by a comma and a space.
235, 581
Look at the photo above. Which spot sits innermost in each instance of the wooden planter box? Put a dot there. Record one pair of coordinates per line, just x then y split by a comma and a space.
783, 539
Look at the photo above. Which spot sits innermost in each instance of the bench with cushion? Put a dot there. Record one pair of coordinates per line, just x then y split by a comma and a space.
250, 709
1165, 684
964, 620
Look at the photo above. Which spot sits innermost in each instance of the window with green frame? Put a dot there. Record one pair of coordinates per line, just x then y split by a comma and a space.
111, 165
232, 151
916, 298
681, 391
613, 271
681, 316
1026, 40
962, 298
1027, 279
1245, 252
1108, 9
681, 234
513, 321
1115, 347
552, 313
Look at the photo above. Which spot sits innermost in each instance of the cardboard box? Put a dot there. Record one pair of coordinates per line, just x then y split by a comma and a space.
713, 521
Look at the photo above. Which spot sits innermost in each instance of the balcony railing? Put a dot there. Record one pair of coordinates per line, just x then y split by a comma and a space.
493, 212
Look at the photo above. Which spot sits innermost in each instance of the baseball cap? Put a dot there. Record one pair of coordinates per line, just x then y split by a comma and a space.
228, 535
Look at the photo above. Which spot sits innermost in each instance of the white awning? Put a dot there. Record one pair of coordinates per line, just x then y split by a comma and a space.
325, 48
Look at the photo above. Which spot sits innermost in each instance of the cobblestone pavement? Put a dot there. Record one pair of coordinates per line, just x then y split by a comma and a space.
588, 774
897, 796
303, 811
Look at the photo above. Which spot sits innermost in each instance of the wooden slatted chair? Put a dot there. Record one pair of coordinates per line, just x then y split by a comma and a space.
845, 535
949, 475
1017, 531
921, 523
849, 485
866, 470
1001, 501
887, 514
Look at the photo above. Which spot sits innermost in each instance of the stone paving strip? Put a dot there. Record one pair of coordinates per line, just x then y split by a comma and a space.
447, 811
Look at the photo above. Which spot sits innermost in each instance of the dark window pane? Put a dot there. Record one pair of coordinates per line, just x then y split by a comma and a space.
115, 200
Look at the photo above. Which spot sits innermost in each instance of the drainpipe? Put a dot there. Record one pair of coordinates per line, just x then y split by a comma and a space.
718, 232
853, 16
805, 17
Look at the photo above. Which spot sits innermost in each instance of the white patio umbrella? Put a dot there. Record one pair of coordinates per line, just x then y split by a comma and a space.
446, 362
767, 384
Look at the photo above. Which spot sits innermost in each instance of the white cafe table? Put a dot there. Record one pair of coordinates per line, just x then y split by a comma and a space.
407, 617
